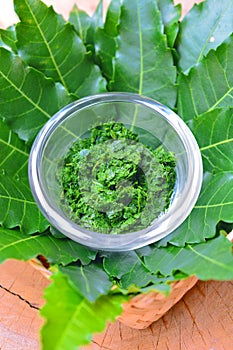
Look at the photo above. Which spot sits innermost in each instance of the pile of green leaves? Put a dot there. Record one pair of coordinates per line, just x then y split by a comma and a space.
112, 183
141, 47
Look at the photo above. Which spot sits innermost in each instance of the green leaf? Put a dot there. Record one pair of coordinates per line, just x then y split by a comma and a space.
8, 38
71, 319
18, 207
90, 281
48, 43
171, 15
97, 18
28, 98
130, 270
81, 22
141, 277
105, 43
16, 245
117, 264
14, 153
143, 63
112, 18
204, 28
209, 85
214, 204
85, 25
210, 260
56, 233
217, 145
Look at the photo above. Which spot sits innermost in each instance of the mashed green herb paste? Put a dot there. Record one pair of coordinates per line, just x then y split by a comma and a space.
112, 183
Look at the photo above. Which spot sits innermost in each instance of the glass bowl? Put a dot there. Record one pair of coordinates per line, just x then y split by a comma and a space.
155, 123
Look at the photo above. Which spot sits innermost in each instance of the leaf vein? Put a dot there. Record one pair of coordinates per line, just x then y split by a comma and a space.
47, 46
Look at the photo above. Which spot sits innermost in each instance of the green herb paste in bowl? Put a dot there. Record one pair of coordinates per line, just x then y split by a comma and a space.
115, 171
112, 183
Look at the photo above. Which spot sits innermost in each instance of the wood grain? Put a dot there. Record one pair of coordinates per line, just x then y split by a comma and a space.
202, 320
21, 289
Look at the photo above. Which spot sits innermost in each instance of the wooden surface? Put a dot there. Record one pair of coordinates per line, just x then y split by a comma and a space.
202, 320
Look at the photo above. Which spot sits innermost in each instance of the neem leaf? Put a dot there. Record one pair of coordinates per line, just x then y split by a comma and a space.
117, 264
216, 145
71, 319
130, 270
8, 38
14, 153
204, 28
97, 18
210, 260
139, 276
90, 281
214, 204
81, 22
18, 207
48, 43
208, 85
28, 98
143, 63
105, 43
171, 15
112, 18
85, 25
16, 245
213, 131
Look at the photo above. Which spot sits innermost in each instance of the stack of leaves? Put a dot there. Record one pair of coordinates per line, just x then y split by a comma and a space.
142, 47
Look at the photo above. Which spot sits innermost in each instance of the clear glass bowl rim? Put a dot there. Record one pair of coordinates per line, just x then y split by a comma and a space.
165, 224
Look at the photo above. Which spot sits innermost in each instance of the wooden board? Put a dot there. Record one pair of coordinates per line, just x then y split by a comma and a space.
202, 320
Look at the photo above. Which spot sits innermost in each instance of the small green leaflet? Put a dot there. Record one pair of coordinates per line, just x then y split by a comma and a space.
90, 281
8, 38
143, 63
112, 18
105, 39
171, 15
16, 245
14, 153
28, 98
18, 207
205, 260
214, 204
85, 25
48, 43
217, 144
208, 85
200, 32
118, 264
129, 269
71, 319
141, 278
81, 22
